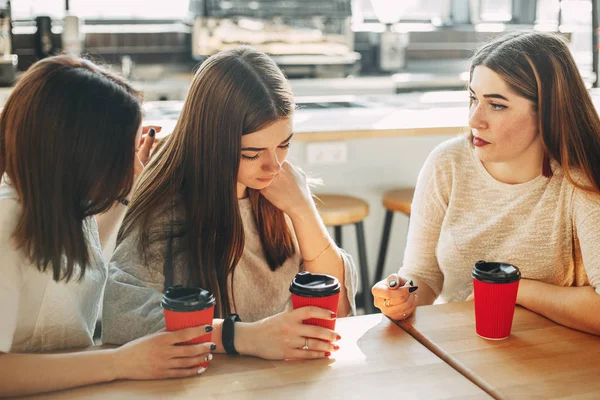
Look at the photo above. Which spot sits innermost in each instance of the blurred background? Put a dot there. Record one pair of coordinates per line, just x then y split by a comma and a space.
150, 40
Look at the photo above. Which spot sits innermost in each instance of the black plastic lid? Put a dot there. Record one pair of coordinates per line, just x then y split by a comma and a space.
306, 284
495, 272
179, 298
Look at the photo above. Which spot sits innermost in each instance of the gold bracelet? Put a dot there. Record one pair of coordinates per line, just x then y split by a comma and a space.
320, 254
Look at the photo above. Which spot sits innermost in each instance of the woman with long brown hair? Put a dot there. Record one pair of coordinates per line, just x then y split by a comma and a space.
220, 208
69, 151
522, 188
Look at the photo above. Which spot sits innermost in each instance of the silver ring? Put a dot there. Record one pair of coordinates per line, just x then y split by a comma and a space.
387, 303
305, 347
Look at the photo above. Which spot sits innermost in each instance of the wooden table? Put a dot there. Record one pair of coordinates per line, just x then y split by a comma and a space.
376, 360
540, 360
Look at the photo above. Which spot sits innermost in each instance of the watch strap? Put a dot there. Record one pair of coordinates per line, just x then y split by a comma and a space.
228, 333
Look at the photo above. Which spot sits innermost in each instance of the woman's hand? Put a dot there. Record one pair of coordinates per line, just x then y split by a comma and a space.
395, 297
158, 356
283, 336
145, 146
289, 190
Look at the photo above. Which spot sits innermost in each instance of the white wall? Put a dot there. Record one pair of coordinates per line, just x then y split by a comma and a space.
373, 167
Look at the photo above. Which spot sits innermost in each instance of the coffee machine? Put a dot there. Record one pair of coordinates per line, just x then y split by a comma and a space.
305, 37
8, 60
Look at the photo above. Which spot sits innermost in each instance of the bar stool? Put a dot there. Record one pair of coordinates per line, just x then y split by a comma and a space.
397, 200
337, 211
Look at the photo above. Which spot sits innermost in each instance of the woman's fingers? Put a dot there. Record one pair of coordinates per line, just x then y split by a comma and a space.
399, 311
318, 332
187, 362
146, 147
394, 281
192, 350
396, 296
184, 372
306, 354
147, 128
316, 345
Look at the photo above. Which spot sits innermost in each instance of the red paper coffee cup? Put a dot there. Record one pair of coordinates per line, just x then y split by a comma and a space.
495, 287
318, 290
187, 308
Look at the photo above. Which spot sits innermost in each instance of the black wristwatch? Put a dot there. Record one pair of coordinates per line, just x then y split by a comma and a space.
228, 333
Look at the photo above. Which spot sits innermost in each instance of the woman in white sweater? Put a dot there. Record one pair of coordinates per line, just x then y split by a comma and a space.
68, 144
522, 188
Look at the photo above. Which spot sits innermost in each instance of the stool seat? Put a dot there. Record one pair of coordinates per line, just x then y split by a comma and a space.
399, 200
338, 209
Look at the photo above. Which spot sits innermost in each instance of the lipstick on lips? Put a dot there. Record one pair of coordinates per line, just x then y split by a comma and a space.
266, 179
479, 142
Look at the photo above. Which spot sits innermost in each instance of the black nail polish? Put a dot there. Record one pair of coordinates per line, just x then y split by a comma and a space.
411, 283
152, 132
393, 284
412, 289
213, 347
208, 329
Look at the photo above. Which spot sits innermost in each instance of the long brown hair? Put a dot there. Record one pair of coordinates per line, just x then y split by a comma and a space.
233, 93
67, 145
540, 67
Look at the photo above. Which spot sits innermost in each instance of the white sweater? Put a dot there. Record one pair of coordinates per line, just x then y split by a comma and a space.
37, 313
461, 214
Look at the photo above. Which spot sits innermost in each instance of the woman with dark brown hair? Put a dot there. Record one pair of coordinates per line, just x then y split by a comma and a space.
220, 208
69, 135
522, 188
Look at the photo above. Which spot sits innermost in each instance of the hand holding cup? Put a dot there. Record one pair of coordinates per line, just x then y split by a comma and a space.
159, 356
285, 336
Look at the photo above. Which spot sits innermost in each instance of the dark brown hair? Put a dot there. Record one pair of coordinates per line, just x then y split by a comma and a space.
540, 67
233, 93
67, 146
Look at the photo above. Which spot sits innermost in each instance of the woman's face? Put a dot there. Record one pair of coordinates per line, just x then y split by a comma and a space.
504, 124
263, 153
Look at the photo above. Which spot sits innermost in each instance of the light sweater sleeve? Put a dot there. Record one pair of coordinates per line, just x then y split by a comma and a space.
10, 284
133, 293
586, 215
428, 210
350, 281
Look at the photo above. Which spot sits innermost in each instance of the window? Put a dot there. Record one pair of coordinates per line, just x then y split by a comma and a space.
414, 10
97, 9
495, 10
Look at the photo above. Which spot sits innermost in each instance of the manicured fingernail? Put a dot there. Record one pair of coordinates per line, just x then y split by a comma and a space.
411, 283
152, 132
336, 347
213, 347
392, 284
339, 337
412, 289
201, 370
327, 354
208, 329
208, 357
333, 315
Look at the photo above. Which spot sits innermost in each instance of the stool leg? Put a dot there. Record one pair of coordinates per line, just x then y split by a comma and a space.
338, 235
364, 269
385, 239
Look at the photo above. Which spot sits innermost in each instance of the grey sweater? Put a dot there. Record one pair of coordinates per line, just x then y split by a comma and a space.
135, 288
